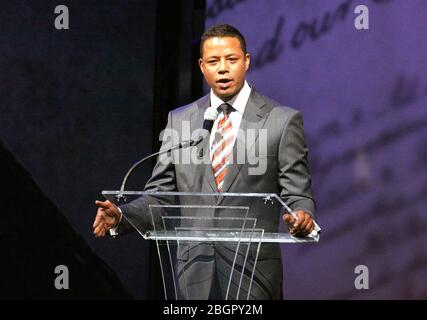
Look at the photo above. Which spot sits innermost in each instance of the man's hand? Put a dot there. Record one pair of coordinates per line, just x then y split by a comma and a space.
107, 217
301, 226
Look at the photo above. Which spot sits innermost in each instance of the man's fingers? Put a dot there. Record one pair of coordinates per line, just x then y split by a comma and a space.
288, 218
98, 228
110, 213
304, 222
106, 217
109, 208
105, 205
98, 231
302, 225
103, 226
303, 232
109, 223
300, 215
99, 217
309, 227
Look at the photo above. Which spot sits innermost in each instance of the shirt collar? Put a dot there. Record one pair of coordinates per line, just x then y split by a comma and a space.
238, 102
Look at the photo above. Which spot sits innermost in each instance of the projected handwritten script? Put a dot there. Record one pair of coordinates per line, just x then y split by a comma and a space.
363, 95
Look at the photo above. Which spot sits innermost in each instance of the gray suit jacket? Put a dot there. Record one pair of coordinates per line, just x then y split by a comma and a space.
287, 175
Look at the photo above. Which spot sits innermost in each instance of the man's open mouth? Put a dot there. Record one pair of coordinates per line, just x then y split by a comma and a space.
224, 81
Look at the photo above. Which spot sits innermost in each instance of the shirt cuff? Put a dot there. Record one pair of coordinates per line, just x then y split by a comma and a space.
315, 234
113, 231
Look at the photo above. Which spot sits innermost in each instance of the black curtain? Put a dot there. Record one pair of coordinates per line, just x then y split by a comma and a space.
79, 106
178, 81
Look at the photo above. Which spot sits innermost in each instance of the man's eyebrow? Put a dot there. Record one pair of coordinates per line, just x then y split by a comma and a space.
227, 56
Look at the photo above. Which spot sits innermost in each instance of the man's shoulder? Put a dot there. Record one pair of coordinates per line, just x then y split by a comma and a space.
188, 109
276, 108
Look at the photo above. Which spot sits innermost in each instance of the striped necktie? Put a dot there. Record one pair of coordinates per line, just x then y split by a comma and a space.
222, 146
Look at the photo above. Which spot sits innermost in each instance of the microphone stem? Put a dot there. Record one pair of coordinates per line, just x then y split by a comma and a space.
179, 146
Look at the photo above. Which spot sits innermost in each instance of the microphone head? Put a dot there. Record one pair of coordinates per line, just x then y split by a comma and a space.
211, 113
210, 116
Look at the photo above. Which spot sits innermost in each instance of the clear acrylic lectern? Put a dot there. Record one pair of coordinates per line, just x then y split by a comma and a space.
192, 229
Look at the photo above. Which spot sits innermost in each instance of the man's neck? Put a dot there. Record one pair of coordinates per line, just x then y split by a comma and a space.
238, 101
228, 98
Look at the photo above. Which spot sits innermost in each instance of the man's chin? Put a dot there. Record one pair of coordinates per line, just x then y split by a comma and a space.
226, 95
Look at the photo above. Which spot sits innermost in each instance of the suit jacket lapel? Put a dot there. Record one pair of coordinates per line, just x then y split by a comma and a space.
253, 119
203, 153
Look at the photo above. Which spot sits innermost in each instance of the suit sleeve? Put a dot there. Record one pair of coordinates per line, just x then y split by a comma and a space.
137, 212
163, 176
294, 173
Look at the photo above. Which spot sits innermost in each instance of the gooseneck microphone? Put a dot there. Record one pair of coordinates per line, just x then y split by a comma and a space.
209, 118
211, 114
181, 145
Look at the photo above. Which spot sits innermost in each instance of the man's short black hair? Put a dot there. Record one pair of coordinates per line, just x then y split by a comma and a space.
222, 30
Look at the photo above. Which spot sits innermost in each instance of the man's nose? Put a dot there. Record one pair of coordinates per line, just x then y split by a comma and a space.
223, 67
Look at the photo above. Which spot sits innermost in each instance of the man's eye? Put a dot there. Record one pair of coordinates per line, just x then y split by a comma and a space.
212, 61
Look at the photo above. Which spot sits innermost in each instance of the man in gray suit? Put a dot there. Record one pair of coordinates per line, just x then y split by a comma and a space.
224, 62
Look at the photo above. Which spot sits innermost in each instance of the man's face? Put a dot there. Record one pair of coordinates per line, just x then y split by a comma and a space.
224, 66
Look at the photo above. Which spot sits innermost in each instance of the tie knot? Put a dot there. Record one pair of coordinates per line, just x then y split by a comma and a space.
225, 108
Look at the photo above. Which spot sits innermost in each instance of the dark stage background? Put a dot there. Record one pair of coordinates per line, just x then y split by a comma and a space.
79, 106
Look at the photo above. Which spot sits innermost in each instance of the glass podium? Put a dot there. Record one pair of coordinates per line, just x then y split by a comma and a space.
193, 230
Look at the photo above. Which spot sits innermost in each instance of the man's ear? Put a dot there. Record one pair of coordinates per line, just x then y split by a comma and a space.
247, 61
201, 64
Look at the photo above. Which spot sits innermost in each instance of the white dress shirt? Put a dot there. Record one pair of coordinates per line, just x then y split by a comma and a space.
239, 104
